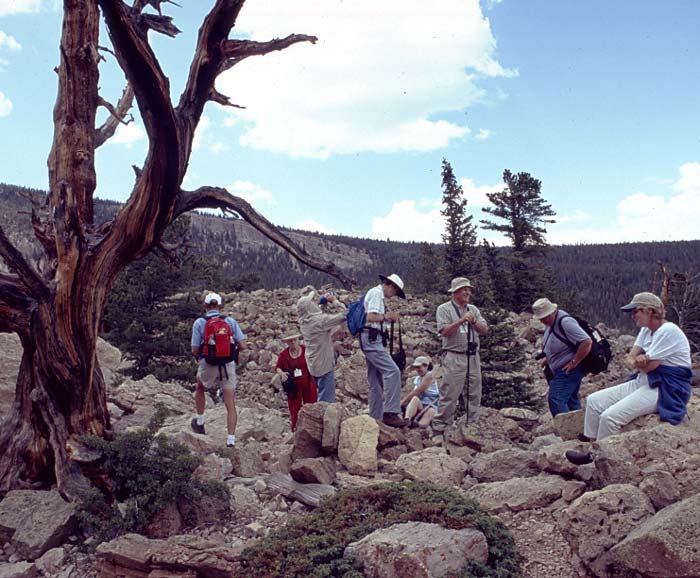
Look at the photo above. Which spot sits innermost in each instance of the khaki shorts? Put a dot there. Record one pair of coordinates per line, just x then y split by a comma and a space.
209, 375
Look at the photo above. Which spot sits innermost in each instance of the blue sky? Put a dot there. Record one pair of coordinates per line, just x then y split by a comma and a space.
597, 99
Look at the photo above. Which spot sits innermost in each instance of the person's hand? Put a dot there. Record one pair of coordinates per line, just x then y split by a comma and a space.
641, 360
469, 317
392, 316
569, 367
542, 362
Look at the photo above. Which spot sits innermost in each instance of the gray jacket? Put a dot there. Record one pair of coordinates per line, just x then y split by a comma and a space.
316, 327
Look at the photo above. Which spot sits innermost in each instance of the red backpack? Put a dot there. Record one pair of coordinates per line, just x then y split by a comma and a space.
219, 345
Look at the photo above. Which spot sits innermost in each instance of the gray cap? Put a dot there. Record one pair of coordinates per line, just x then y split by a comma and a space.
644, 299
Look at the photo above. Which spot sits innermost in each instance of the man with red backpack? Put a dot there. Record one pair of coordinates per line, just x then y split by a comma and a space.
216, 340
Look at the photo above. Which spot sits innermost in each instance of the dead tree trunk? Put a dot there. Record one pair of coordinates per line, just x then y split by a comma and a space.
56, 308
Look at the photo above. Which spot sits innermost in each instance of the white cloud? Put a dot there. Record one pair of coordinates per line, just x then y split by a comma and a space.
8, 7
128, 134
476, 194
484, 134
642, 216
9, 42
371, 83
252, 192
5, 105
407, 222
311, 225
204, 139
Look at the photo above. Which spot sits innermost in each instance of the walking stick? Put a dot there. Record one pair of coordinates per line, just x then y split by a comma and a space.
469, 340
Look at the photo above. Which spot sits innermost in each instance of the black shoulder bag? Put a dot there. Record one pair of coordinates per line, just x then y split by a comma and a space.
290, 385
399, 356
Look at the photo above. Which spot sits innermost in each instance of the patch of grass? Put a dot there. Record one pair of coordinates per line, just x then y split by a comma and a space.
313, 546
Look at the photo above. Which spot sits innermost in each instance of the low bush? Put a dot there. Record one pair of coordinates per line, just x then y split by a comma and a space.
313, 546
142, 474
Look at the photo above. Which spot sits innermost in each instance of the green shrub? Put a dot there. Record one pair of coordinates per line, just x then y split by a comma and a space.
313, 545
144, 474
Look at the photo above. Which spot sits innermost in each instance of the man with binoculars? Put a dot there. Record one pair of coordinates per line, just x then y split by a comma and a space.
460, 324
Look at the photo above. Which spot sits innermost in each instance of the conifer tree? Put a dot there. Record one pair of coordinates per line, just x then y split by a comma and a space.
460, 234
523, 213
428, 268
505, 382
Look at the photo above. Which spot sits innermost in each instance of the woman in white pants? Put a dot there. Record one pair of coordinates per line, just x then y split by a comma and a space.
661, 357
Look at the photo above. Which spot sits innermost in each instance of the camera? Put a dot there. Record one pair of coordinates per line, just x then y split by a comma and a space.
471, 348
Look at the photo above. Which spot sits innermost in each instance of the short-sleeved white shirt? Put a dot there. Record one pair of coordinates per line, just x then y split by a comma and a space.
667, 344
374, 303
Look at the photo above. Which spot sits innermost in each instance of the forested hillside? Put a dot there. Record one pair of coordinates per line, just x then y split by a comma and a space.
593, 280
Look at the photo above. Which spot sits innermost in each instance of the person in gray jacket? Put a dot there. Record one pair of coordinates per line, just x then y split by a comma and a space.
317, 327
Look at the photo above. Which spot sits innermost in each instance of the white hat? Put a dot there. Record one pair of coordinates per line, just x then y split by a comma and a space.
395, 280
213, 297
421, 360
458, 283
543, 307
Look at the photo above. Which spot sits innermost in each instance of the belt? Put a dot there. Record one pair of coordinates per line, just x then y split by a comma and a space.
457, 352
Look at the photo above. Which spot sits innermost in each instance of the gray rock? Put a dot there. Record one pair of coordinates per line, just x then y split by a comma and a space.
19, 570
504, 464
313, 471
35, 521
519, 494
666, 545
417, 550
569, 425
598, 520
357, 447
308, 437
432, 465
133, 555
335, 413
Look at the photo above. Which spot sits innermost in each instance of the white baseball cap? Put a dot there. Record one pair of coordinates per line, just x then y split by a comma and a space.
213, 297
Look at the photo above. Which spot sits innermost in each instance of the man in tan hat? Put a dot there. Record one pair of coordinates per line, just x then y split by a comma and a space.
383, 374
460, 324
211, 376
565, 345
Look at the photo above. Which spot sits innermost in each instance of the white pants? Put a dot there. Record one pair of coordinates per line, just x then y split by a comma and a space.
609, 409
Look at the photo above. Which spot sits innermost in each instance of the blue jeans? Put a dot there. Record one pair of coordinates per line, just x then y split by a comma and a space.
563, 391
326, 386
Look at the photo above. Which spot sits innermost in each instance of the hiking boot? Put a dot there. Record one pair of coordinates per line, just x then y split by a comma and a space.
196, 428
394, 420
579, 458
583, 438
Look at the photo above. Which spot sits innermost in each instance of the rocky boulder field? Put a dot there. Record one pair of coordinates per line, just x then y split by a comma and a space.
634, 512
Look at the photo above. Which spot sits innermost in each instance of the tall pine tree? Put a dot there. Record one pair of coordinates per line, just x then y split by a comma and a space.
460, 234
524, 214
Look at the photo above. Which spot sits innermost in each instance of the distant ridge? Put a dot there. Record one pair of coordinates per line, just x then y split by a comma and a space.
603, 276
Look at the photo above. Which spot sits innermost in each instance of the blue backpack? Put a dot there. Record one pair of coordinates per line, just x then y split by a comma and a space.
356, 317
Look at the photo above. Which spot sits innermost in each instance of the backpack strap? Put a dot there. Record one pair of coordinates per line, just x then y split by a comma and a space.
558, 322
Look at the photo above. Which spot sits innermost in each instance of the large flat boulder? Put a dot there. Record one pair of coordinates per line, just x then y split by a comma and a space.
417, 550
133, 555
666, 545
35, 521
432, 465
518, 494
598, 520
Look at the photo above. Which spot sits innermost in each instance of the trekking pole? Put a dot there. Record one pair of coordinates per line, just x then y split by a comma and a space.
469, 339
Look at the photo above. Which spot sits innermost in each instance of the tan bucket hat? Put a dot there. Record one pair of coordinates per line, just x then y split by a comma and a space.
458, 283
543, 307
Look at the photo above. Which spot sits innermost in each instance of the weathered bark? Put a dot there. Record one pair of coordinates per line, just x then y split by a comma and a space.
56, 309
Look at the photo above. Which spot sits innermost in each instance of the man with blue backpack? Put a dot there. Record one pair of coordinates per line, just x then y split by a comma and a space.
383, 374
216, 340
